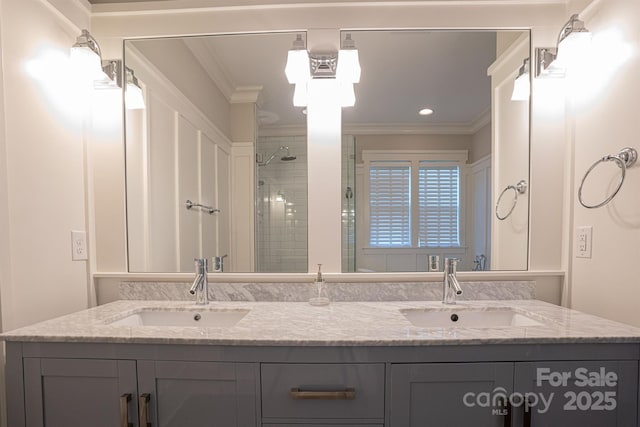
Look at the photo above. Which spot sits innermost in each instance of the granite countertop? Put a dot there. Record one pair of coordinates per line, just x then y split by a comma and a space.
338, 324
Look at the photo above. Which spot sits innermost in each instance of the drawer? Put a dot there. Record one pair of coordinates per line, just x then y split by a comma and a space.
322, 391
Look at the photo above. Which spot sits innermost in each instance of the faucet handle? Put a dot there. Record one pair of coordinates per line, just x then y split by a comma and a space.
451, 265
201, 265
218, 263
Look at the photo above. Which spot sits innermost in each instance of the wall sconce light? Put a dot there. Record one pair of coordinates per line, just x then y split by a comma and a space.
134, 100
574, 41
297, 68
113, 71
348, 62
522, 84
86, 57
343, 66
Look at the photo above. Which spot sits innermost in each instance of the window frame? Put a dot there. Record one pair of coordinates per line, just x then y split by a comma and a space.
415, 157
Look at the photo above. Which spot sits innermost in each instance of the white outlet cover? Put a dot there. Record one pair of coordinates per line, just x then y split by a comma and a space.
79, 246
584, 241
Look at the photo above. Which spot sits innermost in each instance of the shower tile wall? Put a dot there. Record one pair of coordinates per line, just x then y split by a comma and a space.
281, 224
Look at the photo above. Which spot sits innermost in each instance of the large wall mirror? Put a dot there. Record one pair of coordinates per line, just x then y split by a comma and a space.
219, 129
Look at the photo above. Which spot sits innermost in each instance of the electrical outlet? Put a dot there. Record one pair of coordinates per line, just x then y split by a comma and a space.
79, 246
584, 238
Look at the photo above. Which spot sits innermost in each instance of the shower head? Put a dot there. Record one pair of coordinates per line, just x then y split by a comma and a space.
286, 158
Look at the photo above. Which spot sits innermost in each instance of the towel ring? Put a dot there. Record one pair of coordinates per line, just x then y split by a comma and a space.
624, 159
519, 188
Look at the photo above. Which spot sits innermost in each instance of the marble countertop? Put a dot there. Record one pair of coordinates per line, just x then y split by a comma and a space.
338, 324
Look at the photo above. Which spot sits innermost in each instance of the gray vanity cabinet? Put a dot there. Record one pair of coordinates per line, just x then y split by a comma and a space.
103, 393
444, 394
585, 393
521, 394
79, 392
336, 394
198, 394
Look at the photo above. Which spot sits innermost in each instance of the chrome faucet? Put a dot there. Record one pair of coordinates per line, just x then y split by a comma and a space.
450, 285
200, 287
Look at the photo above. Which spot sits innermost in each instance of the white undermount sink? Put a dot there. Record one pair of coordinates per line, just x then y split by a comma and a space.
467, 318
193, 318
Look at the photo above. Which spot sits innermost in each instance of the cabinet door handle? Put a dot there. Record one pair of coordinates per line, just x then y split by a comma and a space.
527, 413
124, 410
507, 414
345, 394
143, 406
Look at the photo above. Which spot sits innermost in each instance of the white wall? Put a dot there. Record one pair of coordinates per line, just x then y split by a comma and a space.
166, 143
606, 118
510, 162
43, 154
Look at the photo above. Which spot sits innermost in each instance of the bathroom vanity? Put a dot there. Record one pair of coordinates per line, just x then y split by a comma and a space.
489, 363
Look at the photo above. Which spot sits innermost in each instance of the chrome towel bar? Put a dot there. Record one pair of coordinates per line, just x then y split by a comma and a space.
189, 204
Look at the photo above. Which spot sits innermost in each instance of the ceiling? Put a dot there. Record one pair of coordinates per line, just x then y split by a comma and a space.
402, 72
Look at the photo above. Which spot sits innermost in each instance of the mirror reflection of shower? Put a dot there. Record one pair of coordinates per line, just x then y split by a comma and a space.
281, 204
287, 157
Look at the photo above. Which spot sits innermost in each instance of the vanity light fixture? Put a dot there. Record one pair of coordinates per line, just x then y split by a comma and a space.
522, 84
348, 62
344, 67
113, 70
86, 57
297, 68
134, 100
426, 112
574, 41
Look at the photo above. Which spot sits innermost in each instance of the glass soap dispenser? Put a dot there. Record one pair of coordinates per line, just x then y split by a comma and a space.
319, 295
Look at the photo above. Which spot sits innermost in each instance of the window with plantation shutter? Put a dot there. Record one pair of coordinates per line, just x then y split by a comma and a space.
438, 206
390, 204
414, 198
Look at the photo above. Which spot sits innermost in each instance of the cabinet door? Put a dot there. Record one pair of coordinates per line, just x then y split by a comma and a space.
450, 394
581, 394
198, 394
79, 392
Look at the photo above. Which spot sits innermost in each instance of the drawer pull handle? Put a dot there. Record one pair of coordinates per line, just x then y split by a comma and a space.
143, 403
346, 394
124, 410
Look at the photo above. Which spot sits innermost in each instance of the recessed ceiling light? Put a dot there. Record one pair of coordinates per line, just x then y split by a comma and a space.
425, 112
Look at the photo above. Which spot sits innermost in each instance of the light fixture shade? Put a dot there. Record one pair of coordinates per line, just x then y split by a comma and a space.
574, 42
297, 68
300, 95
348, 66
573, 49
347, 94
522, 84
133, 97
521, 88
85, 57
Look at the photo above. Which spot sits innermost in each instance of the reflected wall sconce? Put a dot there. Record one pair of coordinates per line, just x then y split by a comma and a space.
113, 71
522, 84
343, 66
134, 100
86, 57
574, 41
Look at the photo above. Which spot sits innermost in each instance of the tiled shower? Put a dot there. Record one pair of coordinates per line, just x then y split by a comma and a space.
281, 204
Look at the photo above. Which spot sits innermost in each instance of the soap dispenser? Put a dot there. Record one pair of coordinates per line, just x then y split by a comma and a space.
319, 294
